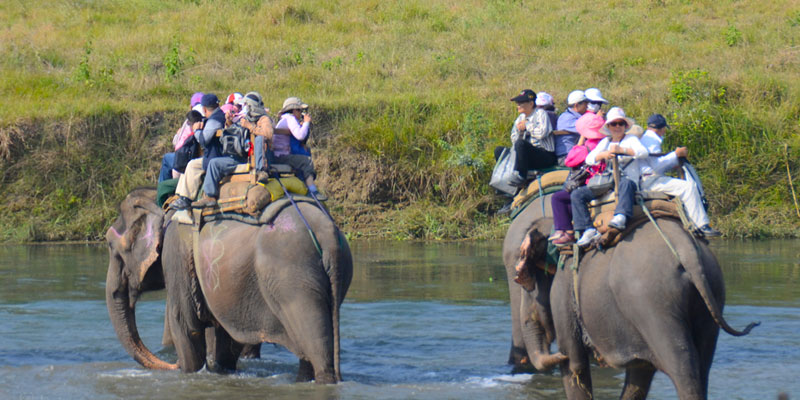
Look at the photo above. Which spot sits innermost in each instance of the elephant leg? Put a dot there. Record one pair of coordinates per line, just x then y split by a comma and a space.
677, 357
223, 351
518, 356
166, 338
308, 320
251, 351
305, 371
577, 378
188, 336
637, 382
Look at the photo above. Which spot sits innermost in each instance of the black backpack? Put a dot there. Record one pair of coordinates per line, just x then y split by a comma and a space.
234, 141
185, 154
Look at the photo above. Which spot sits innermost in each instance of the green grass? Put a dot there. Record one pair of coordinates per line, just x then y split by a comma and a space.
416, 89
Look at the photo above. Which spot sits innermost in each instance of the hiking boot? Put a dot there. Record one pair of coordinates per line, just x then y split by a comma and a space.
708, 231
588, 236
505, 209
206, 202
564, 240
181, 203
618, 222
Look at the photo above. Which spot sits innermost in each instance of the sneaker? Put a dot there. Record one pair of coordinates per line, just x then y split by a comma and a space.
564, 240
181, 203
708, 231
556, 235
588, 236
505, 209
319, 195
206, 202
618, 222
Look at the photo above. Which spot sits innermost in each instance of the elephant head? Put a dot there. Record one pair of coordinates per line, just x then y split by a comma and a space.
536, 276
134, 266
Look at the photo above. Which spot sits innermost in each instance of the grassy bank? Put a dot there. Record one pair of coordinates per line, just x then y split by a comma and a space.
409, 99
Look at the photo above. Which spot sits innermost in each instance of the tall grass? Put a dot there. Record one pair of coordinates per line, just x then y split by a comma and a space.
418, 89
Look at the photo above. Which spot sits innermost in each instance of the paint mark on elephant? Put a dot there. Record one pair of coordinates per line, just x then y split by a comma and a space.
284, 223
212, 250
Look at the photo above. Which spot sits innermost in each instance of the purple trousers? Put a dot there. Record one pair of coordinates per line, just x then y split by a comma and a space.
562, 210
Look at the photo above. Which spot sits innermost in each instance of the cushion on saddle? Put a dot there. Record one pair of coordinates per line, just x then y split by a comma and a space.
554, 178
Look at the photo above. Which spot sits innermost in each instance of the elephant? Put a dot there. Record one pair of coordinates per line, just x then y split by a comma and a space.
253, 284
638, 305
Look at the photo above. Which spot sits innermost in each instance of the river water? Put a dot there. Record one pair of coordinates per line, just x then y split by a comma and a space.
421, 321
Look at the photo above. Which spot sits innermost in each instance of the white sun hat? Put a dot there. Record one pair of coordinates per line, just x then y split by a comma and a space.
593, 94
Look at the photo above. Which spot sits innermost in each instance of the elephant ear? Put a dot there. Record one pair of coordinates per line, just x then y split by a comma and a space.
136, 236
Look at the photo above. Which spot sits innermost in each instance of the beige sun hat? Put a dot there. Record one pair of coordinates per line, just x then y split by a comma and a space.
292, 103
616, 113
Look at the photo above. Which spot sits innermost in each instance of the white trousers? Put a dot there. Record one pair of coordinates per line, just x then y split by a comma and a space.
684, 190
189, 182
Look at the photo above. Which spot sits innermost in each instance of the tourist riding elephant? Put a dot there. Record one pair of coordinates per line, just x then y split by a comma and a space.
638, 305
253, 284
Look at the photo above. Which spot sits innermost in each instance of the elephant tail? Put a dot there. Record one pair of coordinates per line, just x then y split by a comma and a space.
340, 279
694, 266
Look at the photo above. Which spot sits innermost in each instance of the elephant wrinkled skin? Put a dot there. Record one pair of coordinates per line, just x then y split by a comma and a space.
638, 307
253, 284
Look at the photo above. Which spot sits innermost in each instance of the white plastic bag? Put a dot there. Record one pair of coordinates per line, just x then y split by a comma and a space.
503, 177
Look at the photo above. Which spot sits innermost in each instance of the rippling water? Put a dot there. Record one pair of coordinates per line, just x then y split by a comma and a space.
422, 321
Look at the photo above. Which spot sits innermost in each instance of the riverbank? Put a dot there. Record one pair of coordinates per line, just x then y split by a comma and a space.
409, 100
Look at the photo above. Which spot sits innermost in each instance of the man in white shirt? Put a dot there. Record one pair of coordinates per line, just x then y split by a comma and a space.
653, 178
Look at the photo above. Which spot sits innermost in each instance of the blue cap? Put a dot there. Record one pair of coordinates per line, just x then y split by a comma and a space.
657, 121
209, 100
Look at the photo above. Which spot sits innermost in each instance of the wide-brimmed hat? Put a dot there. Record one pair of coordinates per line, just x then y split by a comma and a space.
635, 130
292, 103
616, 113
589, 124
594, 95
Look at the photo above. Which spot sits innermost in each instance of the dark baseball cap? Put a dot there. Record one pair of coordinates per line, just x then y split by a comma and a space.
209, 100
525, 96
657, 121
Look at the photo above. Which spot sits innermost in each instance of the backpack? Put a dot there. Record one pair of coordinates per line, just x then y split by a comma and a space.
185, 154
235, 141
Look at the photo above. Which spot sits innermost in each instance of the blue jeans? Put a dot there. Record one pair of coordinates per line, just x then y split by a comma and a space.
166, 167
218, 168
581, 197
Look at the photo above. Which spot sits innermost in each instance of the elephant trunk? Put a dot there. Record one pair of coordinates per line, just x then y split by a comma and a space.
122, 312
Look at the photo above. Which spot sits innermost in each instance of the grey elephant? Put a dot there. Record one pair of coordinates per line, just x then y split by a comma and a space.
253, 284
636, 306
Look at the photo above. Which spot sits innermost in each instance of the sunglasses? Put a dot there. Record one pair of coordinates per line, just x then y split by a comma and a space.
618, 123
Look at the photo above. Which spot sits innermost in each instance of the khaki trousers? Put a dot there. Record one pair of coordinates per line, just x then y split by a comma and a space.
189, 182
